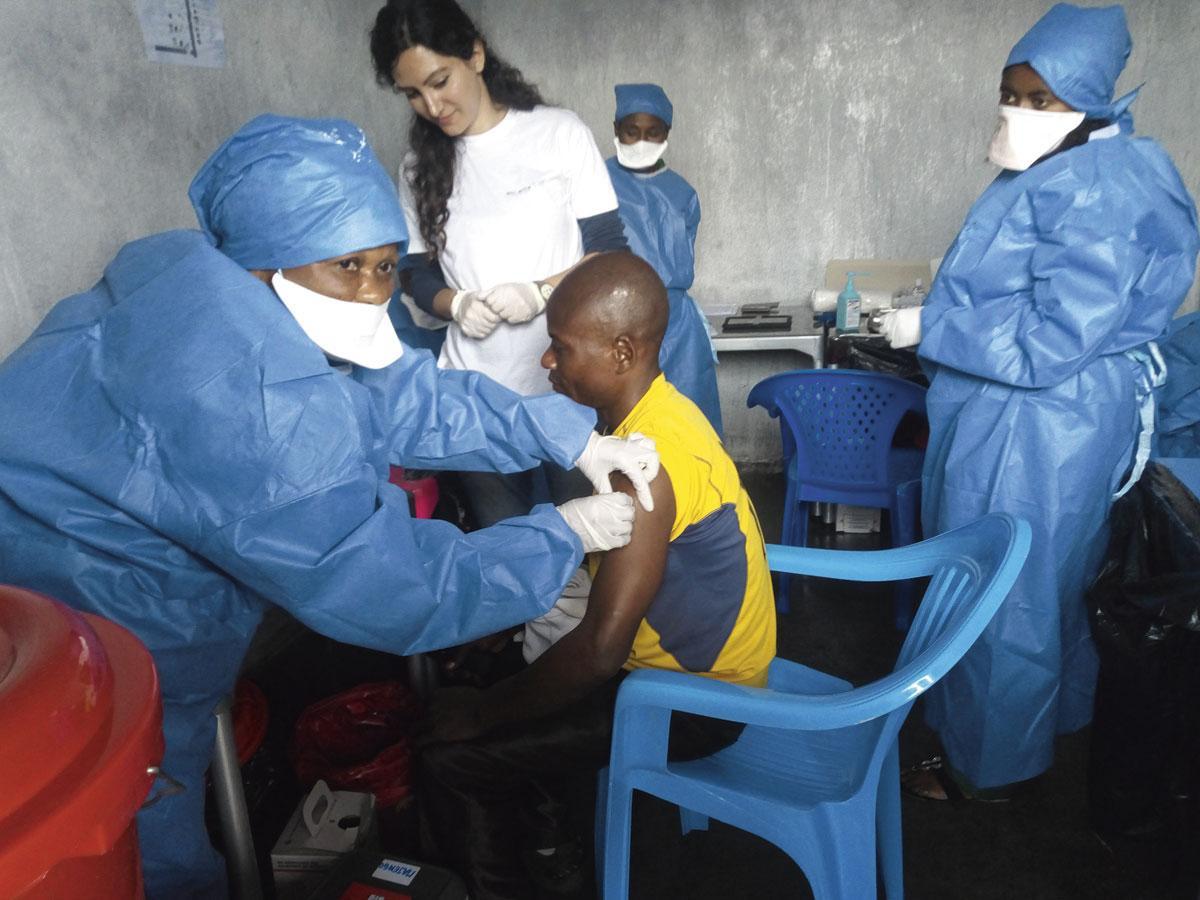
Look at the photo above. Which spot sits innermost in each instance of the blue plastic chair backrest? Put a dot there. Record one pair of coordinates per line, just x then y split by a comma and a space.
840, 421
971, 571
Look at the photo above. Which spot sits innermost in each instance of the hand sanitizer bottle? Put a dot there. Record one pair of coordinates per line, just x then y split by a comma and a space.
849, 306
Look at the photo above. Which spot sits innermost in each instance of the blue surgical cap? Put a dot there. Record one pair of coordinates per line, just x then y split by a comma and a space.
1079, 52
285, 192
643, 98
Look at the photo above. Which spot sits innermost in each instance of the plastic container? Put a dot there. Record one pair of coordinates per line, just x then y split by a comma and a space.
80, 729
422, 490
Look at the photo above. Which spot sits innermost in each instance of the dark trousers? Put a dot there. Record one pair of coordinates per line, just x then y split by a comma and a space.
494, 497
474, 794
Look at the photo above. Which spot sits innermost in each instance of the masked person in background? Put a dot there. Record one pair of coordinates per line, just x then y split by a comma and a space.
209, 429
661, 213
502, 194
1038, 334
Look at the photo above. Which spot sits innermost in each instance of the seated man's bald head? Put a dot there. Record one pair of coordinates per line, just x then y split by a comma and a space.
606, 321
619, 293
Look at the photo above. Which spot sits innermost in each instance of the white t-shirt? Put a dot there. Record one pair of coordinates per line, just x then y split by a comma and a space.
519, 190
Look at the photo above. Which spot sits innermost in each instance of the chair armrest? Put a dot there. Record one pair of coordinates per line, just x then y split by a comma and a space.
827, 703
893, 564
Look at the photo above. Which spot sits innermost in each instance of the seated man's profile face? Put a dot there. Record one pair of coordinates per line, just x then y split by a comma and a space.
576, 358
580, 355
364, 276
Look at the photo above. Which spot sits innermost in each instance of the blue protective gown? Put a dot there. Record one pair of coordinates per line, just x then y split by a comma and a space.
1057, 272
176, 454
661, 213
1179, 399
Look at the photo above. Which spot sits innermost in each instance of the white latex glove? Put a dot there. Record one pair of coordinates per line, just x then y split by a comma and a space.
516, 301
636, 458
901, 327
602, 521
474, 317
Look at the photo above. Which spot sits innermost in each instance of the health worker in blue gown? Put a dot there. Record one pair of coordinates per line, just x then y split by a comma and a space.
661, 212
1038, 334
208, 430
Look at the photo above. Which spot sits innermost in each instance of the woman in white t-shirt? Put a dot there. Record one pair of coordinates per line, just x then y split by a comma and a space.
503, 195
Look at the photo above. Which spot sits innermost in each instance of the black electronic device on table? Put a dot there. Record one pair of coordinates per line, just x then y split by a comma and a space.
758, 322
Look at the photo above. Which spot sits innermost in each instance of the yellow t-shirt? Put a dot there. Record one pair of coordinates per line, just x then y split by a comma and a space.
714, 613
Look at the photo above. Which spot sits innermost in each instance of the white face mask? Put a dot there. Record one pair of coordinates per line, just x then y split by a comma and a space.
1023, 136
360, 333
641, 155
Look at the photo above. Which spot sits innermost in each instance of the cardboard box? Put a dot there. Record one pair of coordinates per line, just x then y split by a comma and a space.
325, 826
373, 875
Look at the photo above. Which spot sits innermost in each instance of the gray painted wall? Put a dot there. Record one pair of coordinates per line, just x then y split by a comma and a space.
820, 129
99, 144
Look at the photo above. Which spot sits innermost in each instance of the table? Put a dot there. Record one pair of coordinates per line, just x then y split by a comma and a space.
746, 358
802, 337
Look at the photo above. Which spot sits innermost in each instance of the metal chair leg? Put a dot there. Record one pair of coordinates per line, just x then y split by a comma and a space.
240, 859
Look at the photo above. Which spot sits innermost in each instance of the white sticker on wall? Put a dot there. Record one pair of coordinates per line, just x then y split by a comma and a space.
183, 32
396, 872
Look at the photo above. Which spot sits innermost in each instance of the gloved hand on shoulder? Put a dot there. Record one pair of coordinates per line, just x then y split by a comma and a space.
636, 458
602, 521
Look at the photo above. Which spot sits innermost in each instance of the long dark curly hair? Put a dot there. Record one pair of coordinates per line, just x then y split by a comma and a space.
440, 26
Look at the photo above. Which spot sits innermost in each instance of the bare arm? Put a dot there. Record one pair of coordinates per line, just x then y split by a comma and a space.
625, 585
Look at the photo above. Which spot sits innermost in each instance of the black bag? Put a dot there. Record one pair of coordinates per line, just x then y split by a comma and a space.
1144, 769
877, 356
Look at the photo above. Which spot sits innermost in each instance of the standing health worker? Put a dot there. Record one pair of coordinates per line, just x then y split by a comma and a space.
661, 213
1038, 332
208, 430
502, 195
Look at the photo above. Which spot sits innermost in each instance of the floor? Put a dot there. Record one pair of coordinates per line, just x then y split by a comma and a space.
1038, 846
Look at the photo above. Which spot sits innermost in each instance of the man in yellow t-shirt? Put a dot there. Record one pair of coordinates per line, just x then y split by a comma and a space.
691, 592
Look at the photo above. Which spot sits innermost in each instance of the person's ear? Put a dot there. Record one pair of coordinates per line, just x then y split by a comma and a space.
624, 353
478, 57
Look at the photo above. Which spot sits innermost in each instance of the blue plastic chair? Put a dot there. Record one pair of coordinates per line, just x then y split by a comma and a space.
816, 770
837, 427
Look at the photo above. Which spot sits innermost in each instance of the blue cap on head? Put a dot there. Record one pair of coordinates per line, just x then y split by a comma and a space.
643, 98
285, 192
1079, 52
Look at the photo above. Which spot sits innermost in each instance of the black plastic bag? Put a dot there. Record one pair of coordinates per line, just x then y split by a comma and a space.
1144, 768
877, 356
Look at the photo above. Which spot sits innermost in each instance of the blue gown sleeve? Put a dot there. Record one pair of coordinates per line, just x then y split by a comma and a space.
426, 278
391, 582
1084, 269
603, 232
435, 418
692, 217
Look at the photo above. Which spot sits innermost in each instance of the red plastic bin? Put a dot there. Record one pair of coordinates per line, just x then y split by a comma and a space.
80, 726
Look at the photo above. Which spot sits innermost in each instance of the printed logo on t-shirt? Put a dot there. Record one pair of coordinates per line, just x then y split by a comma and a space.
525, 189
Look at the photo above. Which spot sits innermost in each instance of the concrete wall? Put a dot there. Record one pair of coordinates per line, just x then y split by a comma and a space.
99, 144
819, 129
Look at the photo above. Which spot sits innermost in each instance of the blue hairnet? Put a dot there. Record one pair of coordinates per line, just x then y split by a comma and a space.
644, 98
285, 192
1079, 53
